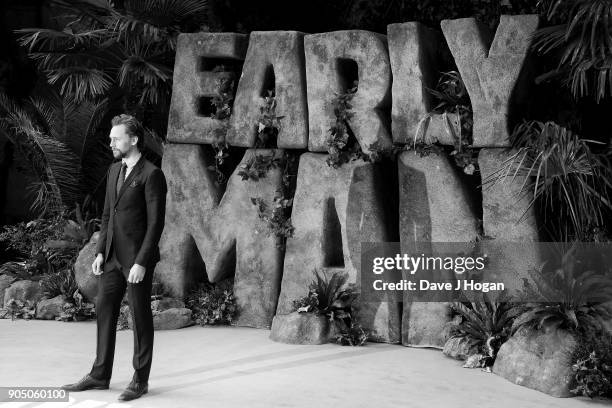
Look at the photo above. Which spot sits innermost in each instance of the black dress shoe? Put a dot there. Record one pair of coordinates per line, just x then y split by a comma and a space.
134, 390
87, 383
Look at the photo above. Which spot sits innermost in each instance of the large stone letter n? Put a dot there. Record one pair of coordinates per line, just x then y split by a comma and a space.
200, 60
333, 61
206, 230
491, 75
275, 60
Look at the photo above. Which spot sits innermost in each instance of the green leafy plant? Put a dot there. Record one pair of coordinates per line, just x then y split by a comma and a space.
592, 367
563, 175
258, 166
334, 299
222, 104
277, 218
452, 101
75, 309
18, 309
223, 99
487, 324
573, 298
268, 124
103, 48
213, 303
16, 270
124, 315
60, 283
58, 140
341, 148
582, 41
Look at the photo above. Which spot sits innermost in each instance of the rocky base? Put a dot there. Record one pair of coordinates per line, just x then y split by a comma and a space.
300, 328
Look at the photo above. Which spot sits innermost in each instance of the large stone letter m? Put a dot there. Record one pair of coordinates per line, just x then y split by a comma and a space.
208, 232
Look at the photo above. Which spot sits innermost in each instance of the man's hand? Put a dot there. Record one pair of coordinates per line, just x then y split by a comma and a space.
96, 266
137, 273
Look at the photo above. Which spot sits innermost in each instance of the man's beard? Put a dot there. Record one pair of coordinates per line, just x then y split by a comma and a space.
118, 154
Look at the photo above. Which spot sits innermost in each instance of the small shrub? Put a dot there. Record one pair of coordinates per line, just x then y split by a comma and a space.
592, 365
334, 299
213, 303
18, 309
487, 324
572, 298
60, 283
75, 309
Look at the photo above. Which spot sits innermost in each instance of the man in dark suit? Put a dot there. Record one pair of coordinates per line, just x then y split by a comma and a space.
127, 251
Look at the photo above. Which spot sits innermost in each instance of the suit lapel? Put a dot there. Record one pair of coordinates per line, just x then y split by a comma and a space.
135, 171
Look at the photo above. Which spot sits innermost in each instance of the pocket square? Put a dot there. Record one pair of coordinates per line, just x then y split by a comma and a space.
134, 183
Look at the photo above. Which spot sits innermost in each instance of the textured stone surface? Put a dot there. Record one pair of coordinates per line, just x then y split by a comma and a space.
417, 54
159, 305
334, 210
5, 282
49, 309
423, 324
167, 319
435, 206
207, 231
325, 73
300, 328
196, 56
538, 359
493, 76
506, 218
23, 290
171, 319
280, 52
86, 280
459, 348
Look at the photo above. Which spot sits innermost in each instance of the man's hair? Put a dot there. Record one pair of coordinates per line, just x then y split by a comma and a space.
133, 127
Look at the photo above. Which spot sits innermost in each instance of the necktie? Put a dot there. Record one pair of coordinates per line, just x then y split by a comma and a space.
121, 178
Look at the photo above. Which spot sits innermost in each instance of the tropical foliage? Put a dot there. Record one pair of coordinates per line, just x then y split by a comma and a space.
582, 42
104, 48
572, 297
562, 173
57, 138
334, 299
213, 303
592, 365
487, 324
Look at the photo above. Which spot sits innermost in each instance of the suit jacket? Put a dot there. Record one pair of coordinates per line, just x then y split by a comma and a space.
133, 219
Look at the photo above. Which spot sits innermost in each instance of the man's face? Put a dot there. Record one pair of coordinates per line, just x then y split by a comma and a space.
120, 142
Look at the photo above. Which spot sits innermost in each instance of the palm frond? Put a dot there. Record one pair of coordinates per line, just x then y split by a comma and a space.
43, 39
81, 83
559, 170
62, 170
585, 45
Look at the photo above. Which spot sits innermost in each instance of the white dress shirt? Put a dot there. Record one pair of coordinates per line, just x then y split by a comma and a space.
130, 162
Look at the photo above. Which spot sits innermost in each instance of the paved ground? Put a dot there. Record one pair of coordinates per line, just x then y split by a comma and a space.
240, 367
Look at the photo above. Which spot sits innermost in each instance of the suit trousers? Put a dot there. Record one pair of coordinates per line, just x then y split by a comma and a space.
112, 285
